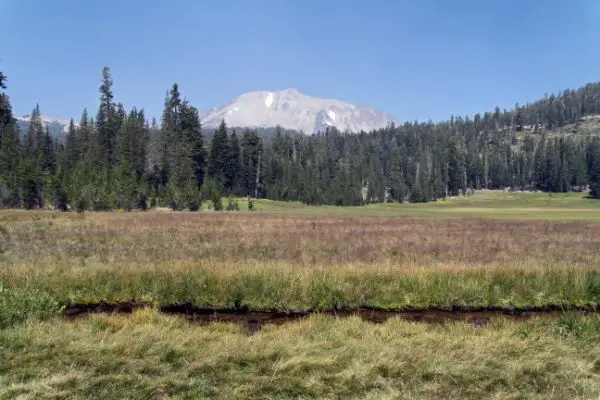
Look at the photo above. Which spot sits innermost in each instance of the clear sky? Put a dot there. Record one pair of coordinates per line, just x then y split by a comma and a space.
415, 59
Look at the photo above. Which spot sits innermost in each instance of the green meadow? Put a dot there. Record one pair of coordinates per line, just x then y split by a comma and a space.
493, 249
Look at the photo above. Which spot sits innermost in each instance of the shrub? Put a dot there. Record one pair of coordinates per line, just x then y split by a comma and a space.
217, 204
194, 201
211, 190
232, 204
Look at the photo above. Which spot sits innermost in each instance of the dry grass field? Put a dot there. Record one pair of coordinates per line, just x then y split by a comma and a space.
308, 259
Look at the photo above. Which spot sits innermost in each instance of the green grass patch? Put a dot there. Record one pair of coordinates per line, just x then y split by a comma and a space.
18, 305
484, 204
304, 288
153, 356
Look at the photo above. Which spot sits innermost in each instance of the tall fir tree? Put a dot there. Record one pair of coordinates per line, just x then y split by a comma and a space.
594, 168
219, 154
72, 153
232, 168
182, 158
252, 150
5, 107
106, 125
192, 134
10, 163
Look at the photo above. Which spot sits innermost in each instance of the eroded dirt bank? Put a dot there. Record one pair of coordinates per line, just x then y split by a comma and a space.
253, 320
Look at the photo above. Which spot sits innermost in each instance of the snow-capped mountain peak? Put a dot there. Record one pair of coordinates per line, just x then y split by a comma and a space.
291, 109
57, 126
45, 120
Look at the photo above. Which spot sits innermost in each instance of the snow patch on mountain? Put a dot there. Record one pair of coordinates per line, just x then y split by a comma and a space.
269, 100
291, 109
46, 120
57, 126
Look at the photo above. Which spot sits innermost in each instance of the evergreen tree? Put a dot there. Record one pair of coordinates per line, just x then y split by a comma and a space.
72, 154
6, 117
219, 155
192, 133
131, 144
169, 134
251, 163
31, 166
9, 152
106, 125
48, 154
594, 168
456, 170
10, 162
182, 152
397, 184
84, 137
232, 168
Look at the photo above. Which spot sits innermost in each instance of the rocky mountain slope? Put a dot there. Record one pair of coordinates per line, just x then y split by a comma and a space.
293, 110
56, 126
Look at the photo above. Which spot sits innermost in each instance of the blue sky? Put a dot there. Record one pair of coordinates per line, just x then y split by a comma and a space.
413, 59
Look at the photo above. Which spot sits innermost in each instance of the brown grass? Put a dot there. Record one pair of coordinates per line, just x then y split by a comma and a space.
216, 259
298, 262
170, 237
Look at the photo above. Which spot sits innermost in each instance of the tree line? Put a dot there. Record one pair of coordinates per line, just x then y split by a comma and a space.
119, 159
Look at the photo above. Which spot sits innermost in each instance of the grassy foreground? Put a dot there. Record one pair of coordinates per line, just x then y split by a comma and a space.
292, 262
151, 356
504, 249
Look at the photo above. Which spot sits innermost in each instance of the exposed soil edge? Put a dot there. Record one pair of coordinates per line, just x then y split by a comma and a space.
253, 320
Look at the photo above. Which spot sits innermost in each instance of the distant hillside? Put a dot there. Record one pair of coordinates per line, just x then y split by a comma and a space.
58, 127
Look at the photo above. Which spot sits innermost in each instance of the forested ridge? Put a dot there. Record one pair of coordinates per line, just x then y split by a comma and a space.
116, 158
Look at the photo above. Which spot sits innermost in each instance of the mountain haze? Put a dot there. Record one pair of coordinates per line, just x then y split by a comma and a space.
56, 126
293, 110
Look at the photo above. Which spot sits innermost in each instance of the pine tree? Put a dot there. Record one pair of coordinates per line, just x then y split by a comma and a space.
106, 125
182, 156
192, 134
84, 136
232, 169
594, 168
397, 184
456, 170
219, 154
48, 154
71, 155
540, 165
126, 176
31, 166
80, 183
251, 163
10, 162
9, 152
5, 108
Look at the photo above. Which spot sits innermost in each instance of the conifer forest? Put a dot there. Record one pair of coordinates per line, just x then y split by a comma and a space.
115, 158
